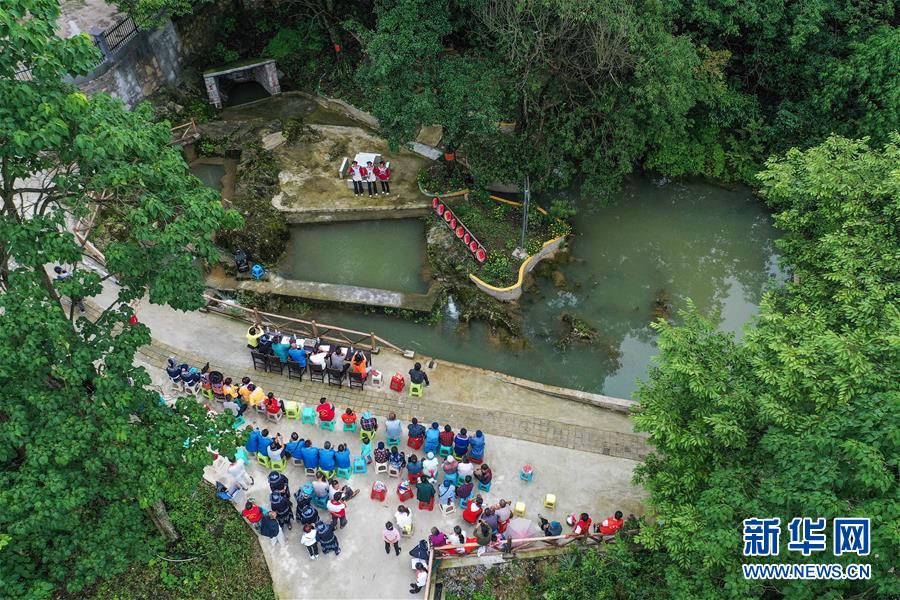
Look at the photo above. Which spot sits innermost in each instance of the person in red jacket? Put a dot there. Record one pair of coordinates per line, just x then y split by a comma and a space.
583, 525
611, 525
349, 417
383, 173
446, 437
273, 404
325, 410
252, 513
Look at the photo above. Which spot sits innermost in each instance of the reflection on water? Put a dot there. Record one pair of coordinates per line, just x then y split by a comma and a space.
209, 174
288, 106
660, 245
387, 254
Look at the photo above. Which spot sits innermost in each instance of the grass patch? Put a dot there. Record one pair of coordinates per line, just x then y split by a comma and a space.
229, 563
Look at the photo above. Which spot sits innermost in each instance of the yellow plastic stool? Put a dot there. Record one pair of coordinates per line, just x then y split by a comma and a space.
550, 501
416, 389
519, 509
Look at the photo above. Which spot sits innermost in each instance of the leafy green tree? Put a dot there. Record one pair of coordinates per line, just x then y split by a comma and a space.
802, 417
85, 447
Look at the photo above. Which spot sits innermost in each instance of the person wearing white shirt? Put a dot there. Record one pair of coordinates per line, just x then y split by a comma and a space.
237, 470
308, 539
319, 359
356, 176
465, 468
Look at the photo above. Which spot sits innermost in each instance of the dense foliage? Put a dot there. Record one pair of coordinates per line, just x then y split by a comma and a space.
217, 556
802, 417
85, 448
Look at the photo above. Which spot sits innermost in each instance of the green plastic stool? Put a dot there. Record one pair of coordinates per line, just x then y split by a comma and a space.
309, 415
263, 460
392, 442
359, 465
445, 451
329, 425
278, 465
329, 475
343, 473
208, 394
291, 410
350, 426
363, 432
416, 389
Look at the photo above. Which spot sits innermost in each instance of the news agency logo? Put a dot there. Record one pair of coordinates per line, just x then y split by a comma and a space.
807, 536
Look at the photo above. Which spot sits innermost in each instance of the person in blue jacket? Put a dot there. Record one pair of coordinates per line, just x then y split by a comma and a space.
310, 455
297, 354
264, 442
253, 442
280, 348
461, 443
476, 445
342, 457
432, 435
326, 460
294, 447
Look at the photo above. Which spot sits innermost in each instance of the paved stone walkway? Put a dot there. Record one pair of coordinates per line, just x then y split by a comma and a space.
507, 424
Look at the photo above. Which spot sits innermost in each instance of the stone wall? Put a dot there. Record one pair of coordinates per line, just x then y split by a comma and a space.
155, 58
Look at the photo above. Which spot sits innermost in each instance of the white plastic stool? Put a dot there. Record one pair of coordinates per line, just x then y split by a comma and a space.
377, 378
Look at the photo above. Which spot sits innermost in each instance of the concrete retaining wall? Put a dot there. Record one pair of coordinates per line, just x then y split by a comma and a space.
339, 106
513, 292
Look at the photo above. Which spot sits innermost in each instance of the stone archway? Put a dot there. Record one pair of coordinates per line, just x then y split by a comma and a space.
260, 71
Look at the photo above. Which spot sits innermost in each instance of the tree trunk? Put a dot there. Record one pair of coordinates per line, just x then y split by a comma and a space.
160, 517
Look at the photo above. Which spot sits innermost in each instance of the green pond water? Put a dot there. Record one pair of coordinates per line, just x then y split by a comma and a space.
660, 245
210, 175
286, 106
387, 254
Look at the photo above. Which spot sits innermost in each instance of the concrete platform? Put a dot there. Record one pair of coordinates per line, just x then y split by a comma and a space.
350, 294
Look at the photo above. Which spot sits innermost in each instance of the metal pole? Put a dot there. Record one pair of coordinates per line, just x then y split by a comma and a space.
525, 210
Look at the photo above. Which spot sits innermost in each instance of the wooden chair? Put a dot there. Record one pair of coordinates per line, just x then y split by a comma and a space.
260, 360
316, 373
275, 364
336, 377
295, 371
357, 381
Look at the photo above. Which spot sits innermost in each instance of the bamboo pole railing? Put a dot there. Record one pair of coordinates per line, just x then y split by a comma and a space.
301, 327
184, 133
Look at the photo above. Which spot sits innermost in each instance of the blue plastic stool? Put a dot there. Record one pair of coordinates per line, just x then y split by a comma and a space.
343, 473
308, 416
257, 271
329, 425
359, 465
392, 442
526, 476
452, 477
484, 487
445, 451
350, 426
463, 501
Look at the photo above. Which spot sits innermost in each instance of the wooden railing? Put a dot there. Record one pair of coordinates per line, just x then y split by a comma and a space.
184, 133
300, 327
446, 556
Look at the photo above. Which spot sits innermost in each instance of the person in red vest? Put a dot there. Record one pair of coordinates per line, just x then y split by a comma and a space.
371, 179
252, 513
383, 173
356, 174
325, 410
273, 404
611, 525
583, 525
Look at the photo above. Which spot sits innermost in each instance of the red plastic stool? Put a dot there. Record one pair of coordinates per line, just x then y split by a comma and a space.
415, 443
404, 495
397, 382
379, 495
429, 506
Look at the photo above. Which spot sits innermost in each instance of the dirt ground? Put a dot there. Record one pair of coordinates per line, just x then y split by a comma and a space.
309, 177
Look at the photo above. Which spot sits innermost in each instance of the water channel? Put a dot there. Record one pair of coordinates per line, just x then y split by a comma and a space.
660, 245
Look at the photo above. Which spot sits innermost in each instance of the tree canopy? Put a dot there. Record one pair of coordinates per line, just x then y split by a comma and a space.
801, 417
85, 447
